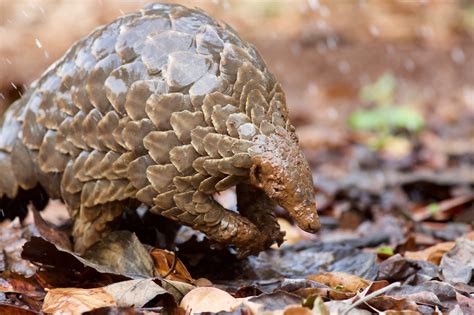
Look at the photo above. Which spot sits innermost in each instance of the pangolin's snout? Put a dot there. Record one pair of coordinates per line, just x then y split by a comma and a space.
305, 216
310, 221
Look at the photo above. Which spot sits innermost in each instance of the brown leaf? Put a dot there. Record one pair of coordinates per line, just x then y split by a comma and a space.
385, 303
169, 266
14, 283
120, 253
342, 281
132, 293
432, 254
297, 310
14, 310
76, 301
209, 299
50, 232
177, 289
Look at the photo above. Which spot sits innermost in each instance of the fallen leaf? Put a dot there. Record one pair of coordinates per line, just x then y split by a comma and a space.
386, 303
76, 300
300, 260
432, 254
177, 289
297, 310
276, 301
341, 281
169, 266
398, 268
209, 299
457, 265
120, 253
465, 303
8, 309
430, 293
308, 288
50, 232
340, 307
15, 283
132, 293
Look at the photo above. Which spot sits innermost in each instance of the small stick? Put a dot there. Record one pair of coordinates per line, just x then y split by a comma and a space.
372, 295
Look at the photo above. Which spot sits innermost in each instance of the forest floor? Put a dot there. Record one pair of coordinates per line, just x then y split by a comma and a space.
385, 117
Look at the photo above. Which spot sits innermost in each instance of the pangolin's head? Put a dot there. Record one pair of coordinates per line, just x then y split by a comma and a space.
281, 171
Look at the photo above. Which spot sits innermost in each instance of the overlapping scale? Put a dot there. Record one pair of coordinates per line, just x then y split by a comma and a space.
184, 122
139, 93
160, 107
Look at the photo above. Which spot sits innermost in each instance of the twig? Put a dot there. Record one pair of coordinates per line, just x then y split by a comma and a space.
372, 295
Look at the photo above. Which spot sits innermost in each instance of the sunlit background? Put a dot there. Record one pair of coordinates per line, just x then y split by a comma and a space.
381, 84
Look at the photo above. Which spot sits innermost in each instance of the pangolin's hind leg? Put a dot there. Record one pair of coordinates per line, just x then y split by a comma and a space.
93, 223
255, 205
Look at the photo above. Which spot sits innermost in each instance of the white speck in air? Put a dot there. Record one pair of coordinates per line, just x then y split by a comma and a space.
38, 43
14, 86
409, 65
331, 41
313, 4
374, 30
344, 67
121, 12
457, 55
2, 96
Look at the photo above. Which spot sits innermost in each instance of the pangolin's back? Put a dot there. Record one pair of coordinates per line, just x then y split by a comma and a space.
141, 108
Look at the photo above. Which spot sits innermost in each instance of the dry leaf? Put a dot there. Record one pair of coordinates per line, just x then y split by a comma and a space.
132, 293
120, 253
342, 281
177, 289
169, 266
208, 299
432, 254
340, 307
297, 310
76, 301
51, 232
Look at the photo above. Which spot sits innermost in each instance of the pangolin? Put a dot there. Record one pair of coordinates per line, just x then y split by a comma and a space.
164, 107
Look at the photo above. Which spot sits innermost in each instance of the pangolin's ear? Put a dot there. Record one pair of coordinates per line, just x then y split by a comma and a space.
256, 178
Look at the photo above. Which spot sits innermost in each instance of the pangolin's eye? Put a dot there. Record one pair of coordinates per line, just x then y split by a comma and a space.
257, 174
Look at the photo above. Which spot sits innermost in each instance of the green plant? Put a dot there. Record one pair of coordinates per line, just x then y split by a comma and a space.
386, 118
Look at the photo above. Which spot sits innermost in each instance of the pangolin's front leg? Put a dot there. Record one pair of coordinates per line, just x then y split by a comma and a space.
201, 212
255, 205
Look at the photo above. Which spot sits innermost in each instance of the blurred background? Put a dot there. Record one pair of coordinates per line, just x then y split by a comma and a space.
381, 92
